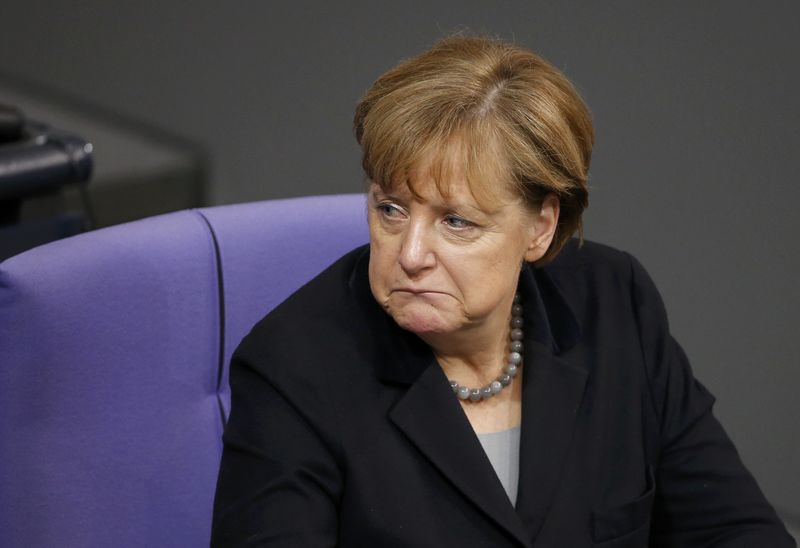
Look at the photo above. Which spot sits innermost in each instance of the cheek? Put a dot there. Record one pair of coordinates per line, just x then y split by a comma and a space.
496, 271
380, 270
383, 254
497, 257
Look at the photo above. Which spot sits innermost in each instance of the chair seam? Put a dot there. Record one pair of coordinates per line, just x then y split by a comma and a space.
221, 311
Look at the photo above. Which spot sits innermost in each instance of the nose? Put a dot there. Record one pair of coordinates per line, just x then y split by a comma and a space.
416, 254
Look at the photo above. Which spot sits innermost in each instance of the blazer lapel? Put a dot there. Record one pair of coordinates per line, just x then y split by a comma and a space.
552, 394
432, 419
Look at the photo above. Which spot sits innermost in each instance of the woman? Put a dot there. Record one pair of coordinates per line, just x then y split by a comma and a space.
474, 377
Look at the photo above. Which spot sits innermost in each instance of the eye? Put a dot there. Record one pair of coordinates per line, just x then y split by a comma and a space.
389, 211
459, 223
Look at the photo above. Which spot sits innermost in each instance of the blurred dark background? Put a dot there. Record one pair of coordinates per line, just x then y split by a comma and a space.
694, 170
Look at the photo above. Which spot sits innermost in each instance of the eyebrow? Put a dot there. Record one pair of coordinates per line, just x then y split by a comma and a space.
446, 205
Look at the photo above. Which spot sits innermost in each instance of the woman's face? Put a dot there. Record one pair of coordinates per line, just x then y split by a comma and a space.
445, 265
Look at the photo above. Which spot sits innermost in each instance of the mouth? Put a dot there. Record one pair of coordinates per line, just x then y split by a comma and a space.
414, 291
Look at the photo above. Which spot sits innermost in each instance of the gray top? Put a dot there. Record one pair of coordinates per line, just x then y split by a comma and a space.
502, 448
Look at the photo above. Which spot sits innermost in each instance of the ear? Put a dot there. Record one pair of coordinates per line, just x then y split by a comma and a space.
543, 228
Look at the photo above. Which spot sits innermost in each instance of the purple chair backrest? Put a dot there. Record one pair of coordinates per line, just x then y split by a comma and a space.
114, 347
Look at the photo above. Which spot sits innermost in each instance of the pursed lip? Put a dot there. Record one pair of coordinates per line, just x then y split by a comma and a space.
414, 291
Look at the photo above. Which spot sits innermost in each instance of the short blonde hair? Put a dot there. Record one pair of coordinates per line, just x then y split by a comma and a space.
492, 108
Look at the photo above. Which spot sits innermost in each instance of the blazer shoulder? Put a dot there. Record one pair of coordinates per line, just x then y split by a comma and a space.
598, 279
310, 324
588, 256
595, 266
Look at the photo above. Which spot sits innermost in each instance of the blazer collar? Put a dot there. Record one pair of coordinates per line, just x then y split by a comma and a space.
549, 319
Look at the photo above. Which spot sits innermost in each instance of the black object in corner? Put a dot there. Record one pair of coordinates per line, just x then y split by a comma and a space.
37, 160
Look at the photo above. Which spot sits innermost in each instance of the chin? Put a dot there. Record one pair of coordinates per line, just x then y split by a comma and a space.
420, 322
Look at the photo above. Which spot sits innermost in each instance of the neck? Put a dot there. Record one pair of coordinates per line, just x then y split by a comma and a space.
474, 355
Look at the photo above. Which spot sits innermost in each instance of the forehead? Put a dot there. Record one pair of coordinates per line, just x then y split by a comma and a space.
455, 174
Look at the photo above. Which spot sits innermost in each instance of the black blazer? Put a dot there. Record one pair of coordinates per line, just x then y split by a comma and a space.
345, 432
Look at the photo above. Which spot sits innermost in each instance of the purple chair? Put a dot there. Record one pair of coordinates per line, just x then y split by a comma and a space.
114, 347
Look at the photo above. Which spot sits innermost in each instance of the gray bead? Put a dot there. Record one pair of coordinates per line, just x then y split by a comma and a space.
511, 368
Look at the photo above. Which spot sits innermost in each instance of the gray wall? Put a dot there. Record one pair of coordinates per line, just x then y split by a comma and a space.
694, 170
